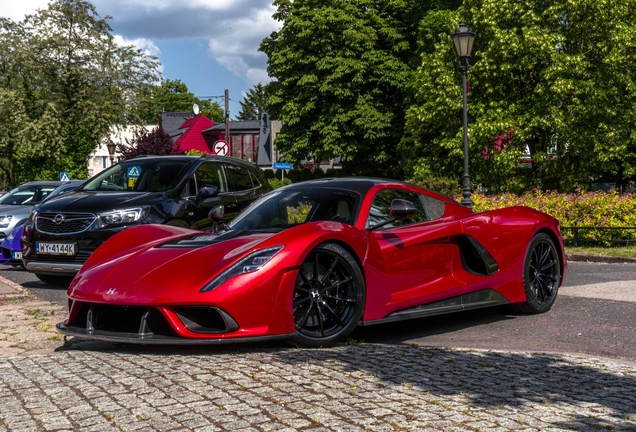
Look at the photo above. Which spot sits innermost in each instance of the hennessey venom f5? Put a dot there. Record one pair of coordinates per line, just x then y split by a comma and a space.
311, 261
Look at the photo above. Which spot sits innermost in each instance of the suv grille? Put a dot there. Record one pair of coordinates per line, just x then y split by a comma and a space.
63, 223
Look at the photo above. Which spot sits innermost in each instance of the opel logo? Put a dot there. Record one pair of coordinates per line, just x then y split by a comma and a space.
59, 219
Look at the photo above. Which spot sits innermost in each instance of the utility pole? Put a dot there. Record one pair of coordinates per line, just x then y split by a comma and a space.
227, 116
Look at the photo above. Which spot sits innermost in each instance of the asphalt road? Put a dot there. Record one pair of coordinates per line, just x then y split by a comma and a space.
594, 314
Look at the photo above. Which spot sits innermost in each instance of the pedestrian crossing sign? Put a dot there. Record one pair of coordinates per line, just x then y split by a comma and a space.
134, 171
64, 176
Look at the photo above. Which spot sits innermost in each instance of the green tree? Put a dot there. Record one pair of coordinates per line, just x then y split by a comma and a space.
341, 70
254, 104
63, 84
173, 95
553, 79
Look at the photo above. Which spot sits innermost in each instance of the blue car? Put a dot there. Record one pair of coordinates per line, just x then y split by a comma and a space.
10, 248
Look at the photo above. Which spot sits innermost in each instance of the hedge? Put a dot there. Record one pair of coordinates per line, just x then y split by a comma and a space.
581, 209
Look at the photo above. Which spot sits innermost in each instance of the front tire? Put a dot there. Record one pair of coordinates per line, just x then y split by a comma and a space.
541, 275
55, 279
328, 298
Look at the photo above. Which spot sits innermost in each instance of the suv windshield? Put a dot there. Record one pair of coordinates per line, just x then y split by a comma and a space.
139, 175
287, 207
26, 195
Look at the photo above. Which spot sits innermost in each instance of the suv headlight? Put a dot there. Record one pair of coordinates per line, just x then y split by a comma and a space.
5, 221
250, 263
122, 216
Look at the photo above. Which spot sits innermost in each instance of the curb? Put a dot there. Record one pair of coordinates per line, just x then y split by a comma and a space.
10, 290
599, 259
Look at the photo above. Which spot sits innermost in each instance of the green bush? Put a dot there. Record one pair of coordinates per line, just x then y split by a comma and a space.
275, 183
445, 186
580, 209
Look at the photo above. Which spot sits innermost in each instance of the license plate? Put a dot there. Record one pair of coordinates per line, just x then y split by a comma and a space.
16, 255
68, 249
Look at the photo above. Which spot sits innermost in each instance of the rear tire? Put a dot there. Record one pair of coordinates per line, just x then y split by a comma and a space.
328, 298
541, 275
55, 279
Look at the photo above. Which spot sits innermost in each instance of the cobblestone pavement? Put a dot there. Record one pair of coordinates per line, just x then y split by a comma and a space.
354, 387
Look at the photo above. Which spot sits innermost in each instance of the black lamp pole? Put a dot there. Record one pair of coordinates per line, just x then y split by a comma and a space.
463, 39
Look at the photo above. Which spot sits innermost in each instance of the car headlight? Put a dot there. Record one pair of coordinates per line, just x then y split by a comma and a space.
5, 221
122, 216
249, 264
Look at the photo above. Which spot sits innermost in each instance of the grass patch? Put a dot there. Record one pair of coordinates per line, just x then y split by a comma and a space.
616, 251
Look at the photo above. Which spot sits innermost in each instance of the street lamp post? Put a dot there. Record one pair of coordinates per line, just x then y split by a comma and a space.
463, 39
111, 151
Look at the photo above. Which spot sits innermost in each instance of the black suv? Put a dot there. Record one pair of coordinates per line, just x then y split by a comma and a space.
189, 191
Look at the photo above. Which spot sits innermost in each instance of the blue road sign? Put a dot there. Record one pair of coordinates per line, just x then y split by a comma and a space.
134, 171
64, 176
282, 165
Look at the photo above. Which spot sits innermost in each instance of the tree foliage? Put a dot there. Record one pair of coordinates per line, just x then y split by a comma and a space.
154, 142
173, 95
553, 79
63, 84
254, 104
341, 70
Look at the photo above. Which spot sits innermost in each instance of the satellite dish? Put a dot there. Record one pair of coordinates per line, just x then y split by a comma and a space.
195, 109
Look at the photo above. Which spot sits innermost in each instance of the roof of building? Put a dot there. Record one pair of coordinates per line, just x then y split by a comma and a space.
170, 122
191, 137
236, 125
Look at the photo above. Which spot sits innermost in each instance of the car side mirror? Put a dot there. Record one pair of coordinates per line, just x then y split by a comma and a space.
402, 208
208, 192
399, 210
217, 213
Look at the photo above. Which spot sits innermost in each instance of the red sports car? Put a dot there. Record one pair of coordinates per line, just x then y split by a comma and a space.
311, 261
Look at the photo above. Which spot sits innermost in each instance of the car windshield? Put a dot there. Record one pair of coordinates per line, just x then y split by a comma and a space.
28, 195
139, 175
284, 208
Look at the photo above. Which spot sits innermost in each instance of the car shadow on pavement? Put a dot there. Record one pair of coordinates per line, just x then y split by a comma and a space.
465, 387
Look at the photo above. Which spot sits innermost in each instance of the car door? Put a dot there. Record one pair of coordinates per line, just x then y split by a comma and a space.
241, 184
209, 173
417, 251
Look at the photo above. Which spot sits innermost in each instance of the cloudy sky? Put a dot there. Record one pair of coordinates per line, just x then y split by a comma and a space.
211, 45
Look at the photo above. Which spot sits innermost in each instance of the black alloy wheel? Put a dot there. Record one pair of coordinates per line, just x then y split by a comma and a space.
541, 275
328, 297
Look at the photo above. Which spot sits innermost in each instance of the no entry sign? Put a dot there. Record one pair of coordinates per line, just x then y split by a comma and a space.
221, 148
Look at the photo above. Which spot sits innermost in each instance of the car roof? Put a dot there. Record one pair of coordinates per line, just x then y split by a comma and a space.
360, 185
41, 183
192, 159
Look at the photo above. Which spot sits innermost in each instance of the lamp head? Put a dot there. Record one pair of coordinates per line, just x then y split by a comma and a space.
463, 39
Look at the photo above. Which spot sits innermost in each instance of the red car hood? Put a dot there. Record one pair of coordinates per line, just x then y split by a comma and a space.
167, 274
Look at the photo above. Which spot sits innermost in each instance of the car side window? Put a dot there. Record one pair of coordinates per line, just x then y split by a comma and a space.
239, 178
436, 208
208, 174
380, 210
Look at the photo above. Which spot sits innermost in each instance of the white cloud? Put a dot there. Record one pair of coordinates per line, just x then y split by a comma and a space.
145, 45
234, 29
16, 10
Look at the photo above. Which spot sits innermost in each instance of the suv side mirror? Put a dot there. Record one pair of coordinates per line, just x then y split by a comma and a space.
208, 192
217, 213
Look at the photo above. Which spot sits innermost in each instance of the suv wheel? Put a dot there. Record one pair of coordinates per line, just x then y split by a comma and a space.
54, 279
